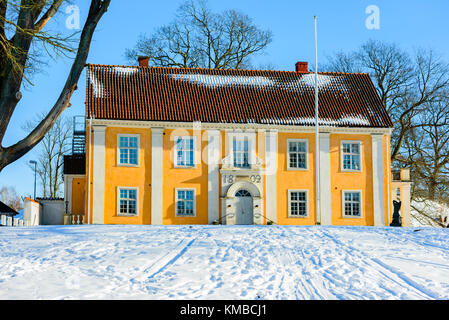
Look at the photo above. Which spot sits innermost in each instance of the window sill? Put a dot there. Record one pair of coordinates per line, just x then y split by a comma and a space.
128, 165
297, 169
352, 217
240, 168
185, 167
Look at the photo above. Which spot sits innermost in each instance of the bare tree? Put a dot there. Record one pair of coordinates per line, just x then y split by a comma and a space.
343, 62
8, 196
200, 38
404, 83
427, 152
25, 21
51, 152
429, 82
414, 90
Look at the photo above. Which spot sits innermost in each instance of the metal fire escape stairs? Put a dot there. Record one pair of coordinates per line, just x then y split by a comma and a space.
79, 136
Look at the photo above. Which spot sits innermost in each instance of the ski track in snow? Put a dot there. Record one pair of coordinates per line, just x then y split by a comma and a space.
416, 283
223, 262
391, 275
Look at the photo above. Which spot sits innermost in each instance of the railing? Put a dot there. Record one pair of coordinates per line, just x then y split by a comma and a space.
220, 220
269, 221
77, 219
79, 135
257, 215
79, 124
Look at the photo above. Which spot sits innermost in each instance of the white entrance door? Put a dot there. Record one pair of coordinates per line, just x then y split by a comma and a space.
244, 207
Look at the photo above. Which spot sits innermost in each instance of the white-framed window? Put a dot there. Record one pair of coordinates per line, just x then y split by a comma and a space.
128, 146
127, 201
185, 152
352, 203
297, 150
298, 203
241, 151
351, 155
185, 203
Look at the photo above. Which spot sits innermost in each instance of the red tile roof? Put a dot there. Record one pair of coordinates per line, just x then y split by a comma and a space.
232, 96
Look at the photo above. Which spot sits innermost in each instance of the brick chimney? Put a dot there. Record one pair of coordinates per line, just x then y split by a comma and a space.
301, 67
143, 61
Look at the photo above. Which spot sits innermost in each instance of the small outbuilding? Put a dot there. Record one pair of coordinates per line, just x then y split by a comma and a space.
6, 211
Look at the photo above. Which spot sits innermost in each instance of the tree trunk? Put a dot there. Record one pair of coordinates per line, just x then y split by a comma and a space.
8, 98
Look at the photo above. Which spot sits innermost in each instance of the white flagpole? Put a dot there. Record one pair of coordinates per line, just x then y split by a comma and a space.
317, 132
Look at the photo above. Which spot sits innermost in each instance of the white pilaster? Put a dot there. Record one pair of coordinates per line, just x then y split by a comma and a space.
98, 177
387, 152
271, 159
405, 205
378, 181
213, 159
325, 179
156, 175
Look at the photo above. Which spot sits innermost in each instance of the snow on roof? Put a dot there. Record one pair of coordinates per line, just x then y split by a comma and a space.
97, 86
214, 81
233, 96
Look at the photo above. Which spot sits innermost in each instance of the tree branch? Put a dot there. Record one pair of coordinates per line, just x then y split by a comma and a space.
14, 152
3, 7
47, 15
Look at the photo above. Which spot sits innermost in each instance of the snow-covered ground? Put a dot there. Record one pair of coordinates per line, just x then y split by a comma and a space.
223, 262
427, 213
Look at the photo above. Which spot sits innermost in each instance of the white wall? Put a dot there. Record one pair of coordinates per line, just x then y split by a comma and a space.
98, 177
32, 213
52, 212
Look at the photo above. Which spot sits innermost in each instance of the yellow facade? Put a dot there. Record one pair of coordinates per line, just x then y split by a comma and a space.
140, 177
127, 176
359, 181
195, 178
296, 180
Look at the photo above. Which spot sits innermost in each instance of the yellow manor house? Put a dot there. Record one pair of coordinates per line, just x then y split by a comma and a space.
169, 146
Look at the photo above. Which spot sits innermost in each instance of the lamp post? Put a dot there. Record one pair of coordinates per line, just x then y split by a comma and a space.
35, 163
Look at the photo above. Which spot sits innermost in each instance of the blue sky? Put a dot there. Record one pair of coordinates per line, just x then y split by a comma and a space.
341, 26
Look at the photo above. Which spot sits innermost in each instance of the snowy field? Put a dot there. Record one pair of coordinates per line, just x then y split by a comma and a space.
427, 212
223, 262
